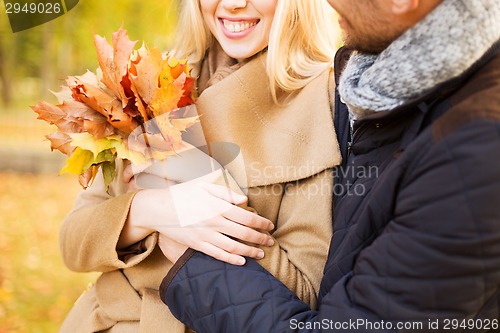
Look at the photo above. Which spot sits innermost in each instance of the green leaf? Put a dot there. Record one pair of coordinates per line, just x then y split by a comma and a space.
107, 155
109, 172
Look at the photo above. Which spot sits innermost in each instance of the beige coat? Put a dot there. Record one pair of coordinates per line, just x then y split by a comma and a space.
288, 153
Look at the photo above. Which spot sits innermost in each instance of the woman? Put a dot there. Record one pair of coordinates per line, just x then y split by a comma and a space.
281, 122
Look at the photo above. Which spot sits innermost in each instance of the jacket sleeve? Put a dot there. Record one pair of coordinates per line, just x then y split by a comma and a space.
302, 237
438, 258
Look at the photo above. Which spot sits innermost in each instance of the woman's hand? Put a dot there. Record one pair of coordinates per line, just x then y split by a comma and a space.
203, 217
193, 213
171, 249
188, 164
146, 176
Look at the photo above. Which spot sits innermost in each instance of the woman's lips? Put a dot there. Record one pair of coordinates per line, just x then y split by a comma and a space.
233, 28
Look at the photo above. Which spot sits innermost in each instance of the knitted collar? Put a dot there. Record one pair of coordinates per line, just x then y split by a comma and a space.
217, 65
439, 48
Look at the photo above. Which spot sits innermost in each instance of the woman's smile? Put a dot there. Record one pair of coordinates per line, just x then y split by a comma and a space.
234, 28
242, 28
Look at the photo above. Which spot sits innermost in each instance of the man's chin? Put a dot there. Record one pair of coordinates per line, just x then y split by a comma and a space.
370, 47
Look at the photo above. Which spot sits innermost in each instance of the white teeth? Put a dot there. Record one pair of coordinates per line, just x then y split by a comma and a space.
238, 26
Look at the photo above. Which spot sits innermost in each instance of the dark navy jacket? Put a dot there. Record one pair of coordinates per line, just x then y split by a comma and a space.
416, 241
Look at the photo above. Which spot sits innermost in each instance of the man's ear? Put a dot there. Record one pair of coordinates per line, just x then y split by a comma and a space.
401, 7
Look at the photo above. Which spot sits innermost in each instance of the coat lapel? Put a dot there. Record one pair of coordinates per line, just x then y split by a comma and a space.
279, 143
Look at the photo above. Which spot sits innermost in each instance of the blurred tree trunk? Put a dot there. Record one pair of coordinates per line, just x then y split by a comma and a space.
47, 65
65, 58
6, 66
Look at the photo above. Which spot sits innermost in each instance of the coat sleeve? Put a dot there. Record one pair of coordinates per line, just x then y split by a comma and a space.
302, 237
438, 258
90, 232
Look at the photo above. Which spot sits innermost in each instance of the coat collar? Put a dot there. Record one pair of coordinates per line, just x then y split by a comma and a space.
279, 143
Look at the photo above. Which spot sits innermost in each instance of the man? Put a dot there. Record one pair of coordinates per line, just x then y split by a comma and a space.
417, 247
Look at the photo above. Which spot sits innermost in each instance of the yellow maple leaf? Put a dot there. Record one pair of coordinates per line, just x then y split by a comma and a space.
89, 142
75, 164
166, 99
129, 154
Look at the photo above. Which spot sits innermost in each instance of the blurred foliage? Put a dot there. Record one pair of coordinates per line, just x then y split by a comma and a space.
36, 289
36, 60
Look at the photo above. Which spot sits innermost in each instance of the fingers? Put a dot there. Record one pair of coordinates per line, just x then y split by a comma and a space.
130, 170
243, 233
220, 254
234, 247
150, 181
128, 174
226, 194
249, 219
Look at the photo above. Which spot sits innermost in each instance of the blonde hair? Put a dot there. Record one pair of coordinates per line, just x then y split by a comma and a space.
302, 42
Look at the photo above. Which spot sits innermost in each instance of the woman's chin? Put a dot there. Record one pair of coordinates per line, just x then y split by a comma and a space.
241, 53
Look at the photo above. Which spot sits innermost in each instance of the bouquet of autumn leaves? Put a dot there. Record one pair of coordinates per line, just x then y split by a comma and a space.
104, 116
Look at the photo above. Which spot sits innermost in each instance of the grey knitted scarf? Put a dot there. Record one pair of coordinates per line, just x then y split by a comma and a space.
442, 46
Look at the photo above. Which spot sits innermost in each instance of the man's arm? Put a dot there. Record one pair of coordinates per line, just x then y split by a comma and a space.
438, 258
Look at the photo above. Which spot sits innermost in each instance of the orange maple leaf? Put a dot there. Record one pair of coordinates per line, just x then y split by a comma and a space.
114, 61
107, 105
60, 141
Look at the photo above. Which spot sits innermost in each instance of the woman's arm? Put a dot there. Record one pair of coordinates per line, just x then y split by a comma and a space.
90, 232
99, 224
200, 215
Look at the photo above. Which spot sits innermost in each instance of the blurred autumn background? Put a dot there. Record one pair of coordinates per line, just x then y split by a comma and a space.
36, 289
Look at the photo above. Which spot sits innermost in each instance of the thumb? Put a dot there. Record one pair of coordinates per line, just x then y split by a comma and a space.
127, 174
